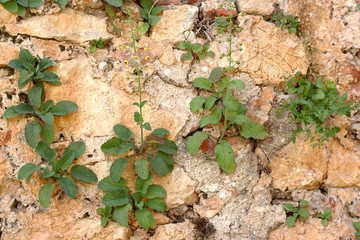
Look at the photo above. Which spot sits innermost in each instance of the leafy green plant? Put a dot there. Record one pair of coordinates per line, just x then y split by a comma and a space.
195, 50
357, 224
296, 212
115, 3
325, 216
153, 151
225, 110
96, 44
314, 103
149, 11
19, 6
286, 21
112, 17
57, 171
32, 69
62, 3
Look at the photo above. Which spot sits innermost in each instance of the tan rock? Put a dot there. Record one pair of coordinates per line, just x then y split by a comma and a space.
179, 231
174, 23
83, 4
7, 53
7, 17
209, 207
256, 7
140, 234
299, 165
62, 28
343, 167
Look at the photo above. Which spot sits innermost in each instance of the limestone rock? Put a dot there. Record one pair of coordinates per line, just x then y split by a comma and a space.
179, 231
84, 4
62, 28
6, 17
209, 207
174, 23
7, 53
256, 7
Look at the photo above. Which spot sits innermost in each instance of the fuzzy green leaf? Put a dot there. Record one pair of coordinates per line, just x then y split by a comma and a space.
47, 173
290, 221
142, 185
123, 132
121, 214
66, 160
27, 170
143, 27
109, 185
117, 169
216, 74
47, 133
303, 203
45, 194
253, 130
115, 3
155, 191
196, 48
237, 84
24, 108
64, 107
196, 104
45, 151
32, 130
195, 141
145, 218
180, 46
116, 198
68, 186
324, 222
78, 148
48, 118
167, 147
162, 164
26, 57
45, 107
160, 132
104, 221
83, 174
304, 214
225, 156
153, 20
209, 102
142, 168
11, 113
116, 146
34, 3
34, 95
156, 204
62, 3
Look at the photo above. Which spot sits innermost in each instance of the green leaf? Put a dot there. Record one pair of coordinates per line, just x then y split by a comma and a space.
24, 108
26, 57
83, 174
123, 132
68, 186
211, 54
45, 151
121, 214
324, 222
195, 141
237, 84
209, 102
202, 55
216, 74
11, 113
327, 213
27, 170
45, 63
78, 148
62, 3
34, 95
196, 103
196, 48
240, 119
162, 164
143, 28
303, 203
319, 95
153, 20
45, 107
225, 156
45, 194
66, 160
47, 133
92, 48
206, 47
25, 77
288, 207
104, 221
48, 118
189, 55
116, 146
290, 221
115, 3
32, 130
183, 57
109, 185
16, 64
230, 103
160, 132
47, 173
156, 204
168, 147
100, 211
35, 3
357, 225
142, 168
253, 130
304, 214
64, 107
180, 46
142, 185
145, 218
202, 83
292, 30
155, 191
116, 198
146, 4
117, 169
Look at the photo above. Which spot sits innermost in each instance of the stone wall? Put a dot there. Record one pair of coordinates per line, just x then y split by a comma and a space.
203, 202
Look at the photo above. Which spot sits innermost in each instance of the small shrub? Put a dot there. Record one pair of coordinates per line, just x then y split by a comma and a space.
286, 21
325, 216
195, 51
296, 212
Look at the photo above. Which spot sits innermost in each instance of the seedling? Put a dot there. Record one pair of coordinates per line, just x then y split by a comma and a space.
153, 151
57, 171
225, 110
297, 212
288, 21
149, 11
19, 6
325, 216
357, 226
314, 103
96, 44
195, 51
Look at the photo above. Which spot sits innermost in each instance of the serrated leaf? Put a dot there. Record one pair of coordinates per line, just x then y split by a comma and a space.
84, 174
46, 106
24, 108
142, 185
153, 20
237, 84
230, 102
162, 164
35, 3
121, 214
64, 107
68, 186
357, 225
142, 168
225, 156
47, 173
240, 119
16, 64
10, 113
146, 4
194, 142
45, 63
156, 204
115, 3
45, 194
253, 130
100, 211
196, 104
66, 160
303, 203
123, 132
104, 221
116, 198
202, 83
216, 74
155, 191
34, 95
27, 170
167, 147
117, 169
45, 151
160, 132
63, 3
290, 221
78, 148
26, 56
145, 218
209, 102
319, 95
25, 77
47, 133
48, 118
116, 146
32, 130
109, 185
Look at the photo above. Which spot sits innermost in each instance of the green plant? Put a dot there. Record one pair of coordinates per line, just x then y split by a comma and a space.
57, 171
195, 50
149, 11
314, 103
19, 6
115, 3
32, 69
155, 151
286, 21
325, 216
96, 44
225, 110
311, 49
357, 224
297, 212
62, 3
